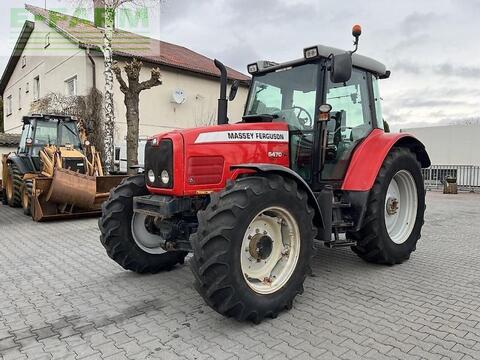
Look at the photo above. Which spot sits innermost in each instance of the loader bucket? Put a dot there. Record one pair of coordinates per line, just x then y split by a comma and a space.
70, 195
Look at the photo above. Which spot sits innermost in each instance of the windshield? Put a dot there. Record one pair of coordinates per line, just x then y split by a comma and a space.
70, 135
288, 94
54, 133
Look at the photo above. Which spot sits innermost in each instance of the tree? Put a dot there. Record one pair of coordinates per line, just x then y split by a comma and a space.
107, 9
132, 99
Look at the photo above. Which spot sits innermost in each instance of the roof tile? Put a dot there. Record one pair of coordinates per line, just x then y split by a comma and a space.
10, 140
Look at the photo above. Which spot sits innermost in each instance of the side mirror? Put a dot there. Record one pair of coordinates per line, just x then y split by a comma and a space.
341, 69
233, 90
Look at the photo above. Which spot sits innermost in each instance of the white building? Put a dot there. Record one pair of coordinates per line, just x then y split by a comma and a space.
454, 150
60, 53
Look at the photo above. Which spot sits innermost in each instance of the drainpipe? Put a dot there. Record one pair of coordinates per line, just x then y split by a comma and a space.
94, 69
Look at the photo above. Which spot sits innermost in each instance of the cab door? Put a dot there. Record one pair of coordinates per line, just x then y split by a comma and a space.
351, 121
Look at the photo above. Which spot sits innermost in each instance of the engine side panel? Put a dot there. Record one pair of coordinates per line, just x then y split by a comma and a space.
369, 155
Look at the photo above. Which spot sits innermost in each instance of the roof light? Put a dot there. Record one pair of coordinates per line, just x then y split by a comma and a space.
252, 68
356, 30
310, 53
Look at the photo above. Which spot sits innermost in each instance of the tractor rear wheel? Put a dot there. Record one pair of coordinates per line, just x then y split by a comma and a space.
395, 211
253, 247
124, 234
26, 194
13, 186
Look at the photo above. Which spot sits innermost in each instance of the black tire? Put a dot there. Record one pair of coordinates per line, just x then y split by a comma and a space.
16, 178
373, 242
26, 196
116, 234
4, 197
218, 241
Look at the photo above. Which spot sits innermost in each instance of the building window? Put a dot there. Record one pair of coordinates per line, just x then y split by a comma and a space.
47, 40
71, 86
8, 105
24, 61
19, 98
27, 88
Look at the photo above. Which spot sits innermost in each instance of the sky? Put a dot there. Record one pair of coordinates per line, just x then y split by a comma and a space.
432, 47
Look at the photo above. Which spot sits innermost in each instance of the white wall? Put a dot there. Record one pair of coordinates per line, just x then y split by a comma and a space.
450, 145
159, 114
53, 64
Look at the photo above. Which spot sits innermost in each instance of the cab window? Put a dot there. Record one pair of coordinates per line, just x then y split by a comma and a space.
351, 122
378, 104
26, 133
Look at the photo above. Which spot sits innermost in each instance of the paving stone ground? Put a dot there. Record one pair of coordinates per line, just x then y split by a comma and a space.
62, 297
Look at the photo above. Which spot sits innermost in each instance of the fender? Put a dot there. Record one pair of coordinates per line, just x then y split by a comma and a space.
15, 159
368, 158
272, 168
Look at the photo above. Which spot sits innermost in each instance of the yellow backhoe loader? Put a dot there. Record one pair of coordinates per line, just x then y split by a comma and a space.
55, 173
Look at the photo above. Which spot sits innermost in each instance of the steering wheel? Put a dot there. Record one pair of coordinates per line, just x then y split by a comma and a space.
306, 122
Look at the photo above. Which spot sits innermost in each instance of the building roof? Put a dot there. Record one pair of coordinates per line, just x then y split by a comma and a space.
9, 140
17, 52
129, 44
125, 44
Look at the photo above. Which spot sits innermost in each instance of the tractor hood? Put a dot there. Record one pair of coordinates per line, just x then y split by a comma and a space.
200, 160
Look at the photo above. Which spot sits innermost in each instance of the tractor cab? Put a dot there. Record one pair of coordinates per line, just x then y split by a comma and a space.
310, 96
40, 131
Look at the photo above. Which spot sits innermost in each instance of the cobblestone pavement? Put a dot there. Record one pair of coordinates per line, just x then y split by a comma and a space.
62, 297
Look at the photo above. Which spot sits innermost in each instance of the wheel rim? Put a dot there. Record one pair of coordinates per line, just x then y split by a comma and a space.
401, 202
270, 250
145, 240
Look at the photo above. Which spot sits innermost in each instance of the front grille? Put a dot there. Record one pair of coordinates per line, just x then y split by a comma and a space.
74, 164
159, 158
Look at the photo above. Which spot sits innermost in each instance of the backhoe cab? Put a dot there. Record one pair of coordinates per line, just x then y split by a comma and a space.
308, 161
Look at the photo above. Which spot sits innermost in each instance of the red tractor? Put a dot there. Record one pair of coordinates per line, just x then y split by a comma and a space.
309, 161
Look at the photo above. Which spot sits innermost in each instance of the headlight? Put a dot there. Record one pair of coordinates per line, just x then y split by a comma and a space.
151, 176
165, 177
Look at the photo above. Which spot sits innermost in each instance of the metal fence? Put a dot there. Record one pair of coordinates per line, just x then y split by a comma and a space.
468, 176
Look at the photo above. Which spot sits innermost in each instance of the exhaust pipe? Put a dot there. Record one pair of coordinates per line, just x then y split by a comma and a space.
222, 101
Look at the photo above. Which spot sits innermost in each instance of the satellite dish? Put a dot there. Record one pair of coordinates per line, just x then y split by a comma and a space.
178, 96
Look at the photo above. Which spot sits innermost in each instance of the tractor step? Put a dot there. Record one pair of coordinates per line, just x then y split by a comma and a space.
341, 205
335, 244
342, 224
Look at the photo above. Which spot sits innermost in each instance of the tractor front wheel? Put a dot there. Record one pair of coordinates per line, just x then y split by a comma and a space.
125, 236
253, 247
395, 211
13, 186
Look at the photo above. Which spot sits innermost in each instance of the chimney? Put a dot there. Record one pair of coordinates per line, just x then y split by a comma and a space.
99, 13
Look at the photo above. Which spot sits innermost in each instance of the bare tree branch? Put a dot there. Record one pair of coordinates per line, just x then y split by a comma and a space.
155, 80
118, 74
